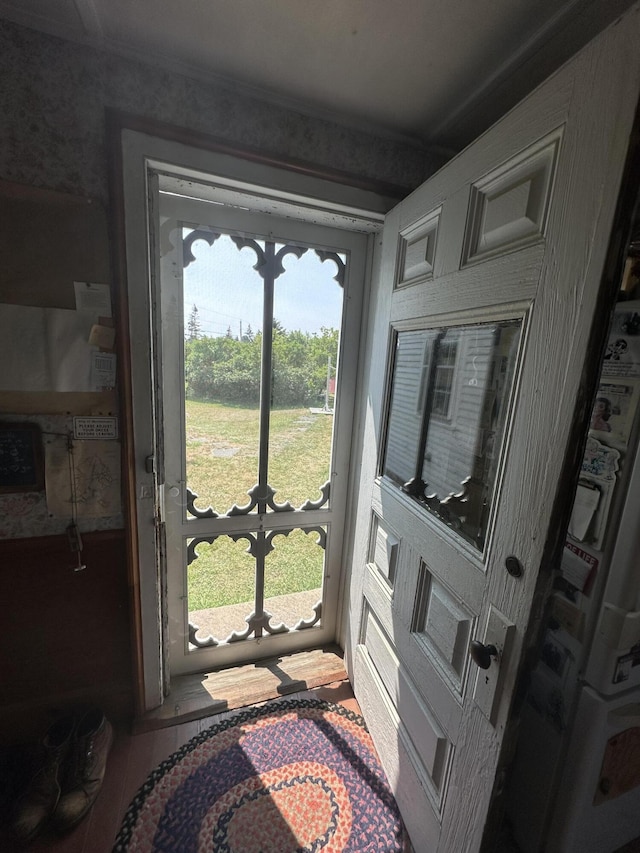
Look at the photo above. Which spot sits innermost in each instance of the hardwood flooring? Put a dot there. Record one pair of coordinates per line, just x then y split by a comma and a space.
132, 758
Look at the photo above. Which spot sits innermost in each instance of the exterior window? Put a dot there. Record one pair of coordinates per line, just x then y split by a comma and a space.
443, 380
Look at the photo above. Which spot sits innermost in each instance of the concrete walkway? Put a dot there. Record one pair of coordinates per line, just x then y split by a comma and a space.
219, 622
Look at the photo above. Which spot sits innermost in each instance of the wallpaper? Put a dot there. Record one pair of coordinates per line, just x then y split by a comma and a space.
53, 99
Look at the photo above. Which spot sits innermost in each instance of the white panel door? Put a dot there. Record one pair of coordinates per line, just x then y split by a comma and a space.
480, 319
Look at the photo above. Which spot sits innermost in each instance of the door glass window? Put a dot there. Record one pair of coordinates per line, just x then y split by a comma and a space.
449, 400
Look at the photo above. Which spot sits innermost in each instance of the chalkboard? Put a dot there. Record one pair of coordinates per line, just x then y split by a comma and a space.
21, 468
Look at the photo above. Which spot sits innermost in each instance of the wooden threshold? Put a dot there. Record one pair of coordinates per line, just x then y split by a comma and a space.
203, 694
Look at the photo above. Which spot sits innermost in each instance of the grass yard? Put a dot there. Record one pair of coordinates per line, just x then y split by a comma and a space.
222, 465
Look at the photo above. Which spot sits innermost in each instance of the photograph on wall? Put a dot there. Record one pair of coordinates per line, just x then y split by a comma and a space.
614, 410
554, 655
622, 356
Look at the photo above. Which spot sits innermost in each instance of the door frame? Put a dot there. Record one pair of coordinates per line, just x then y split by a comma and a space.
181, 524
136, 146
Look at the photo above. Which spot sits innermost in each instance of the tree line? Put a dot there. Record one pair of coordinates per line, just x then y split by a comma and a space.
227, 369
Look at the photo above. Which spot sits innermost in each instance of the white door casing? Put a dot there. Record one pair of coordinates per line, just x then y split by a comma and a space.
269, 189
517, 226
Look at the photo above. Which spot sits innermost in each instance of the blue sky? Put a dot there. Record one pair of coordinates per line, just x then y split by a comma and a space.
228, 291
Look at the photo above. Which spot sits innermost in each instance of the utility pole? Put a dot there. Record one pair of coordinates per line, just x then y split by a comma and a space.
326, 390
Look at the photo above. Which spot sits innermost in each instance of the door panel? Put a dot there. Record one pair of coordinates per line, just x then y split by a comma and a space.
514, 229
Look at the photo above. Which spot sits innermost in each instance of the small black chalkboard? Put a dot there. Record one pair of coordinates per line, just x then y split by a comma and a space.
21, 468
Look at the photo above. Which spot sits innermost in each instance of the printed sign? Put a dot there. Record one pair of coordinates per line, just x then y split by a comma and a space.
95, 428
578, 567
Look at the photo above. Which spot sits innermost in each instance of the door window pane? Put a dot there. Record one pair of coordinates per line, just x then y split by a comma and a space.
223, 307
262, 327
307, 312
449, 402
294, 576
411, 369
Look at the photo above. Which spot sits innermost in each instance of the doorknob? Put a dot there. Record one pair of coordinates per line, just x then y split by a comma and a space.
482, 654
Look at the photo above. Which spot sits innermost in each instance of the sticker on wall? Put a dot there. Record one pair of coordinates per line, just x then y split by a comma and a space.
622, 358
578, 567
625, 664
103, 371
620, 771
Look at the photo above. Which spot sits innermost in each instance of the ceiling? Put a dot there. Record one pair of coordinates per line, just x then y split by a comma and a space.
436, 72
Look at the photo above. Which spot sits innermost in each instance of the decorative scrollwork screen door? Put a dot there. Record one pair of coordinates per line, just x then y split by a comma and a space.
256, 322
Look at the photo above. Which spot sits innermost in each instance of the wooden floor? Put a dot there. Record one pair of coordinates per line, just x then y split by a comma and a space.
200, 695
132, 758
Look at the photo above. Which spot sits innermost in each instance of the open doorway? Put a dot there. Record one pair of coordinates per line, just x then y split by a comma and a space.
245, 306
251, 313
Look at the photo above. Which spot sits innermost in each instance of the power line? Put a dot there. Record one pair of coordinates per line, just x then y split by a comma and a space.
206, 310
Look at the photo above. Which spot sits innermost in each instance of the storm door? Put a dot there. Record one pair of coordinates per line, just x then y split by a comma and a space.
257, 321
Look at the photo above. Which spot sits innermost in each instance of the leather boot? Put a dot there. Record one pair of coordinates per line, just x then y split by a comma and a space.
85, 769
39, 800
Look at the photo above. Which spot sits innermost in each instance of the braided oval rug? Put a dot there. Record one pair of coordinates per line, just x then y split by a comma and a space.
299, 776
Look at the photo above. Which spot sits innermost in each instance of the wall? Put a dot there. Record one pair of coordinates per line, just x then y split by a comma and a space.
65, 633
54, 95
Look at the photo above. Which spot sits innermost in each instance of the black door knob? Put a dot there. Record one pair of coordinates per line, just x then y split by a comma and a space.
482, 654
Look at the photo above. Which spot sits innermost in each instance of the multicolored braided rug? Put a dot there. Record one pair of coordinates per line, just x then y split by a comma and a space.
299, 776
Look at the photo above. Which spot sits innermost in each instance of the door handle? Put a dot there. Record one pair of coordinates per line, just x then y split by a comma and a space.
481, 654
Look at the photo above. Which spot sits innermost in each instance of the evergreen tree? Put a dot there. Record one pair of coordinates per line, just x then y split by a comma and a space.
193, 326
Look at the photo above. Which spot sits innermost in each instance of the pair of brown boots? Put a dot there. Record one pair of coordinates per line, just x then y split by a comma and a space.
68, 782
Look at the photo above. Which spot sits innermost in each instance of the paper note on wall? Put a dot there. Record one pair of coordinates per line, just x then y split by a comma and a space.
45, 349
584, 507
94, 298
103, 371
94, 472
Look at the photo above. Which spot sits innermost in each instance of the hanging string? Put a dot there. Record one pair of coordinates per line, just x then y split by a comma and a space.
73, 531
72, 478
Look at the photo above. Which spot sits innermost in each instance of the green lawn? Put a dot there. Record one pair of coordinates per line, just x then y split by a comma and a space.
222, 465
